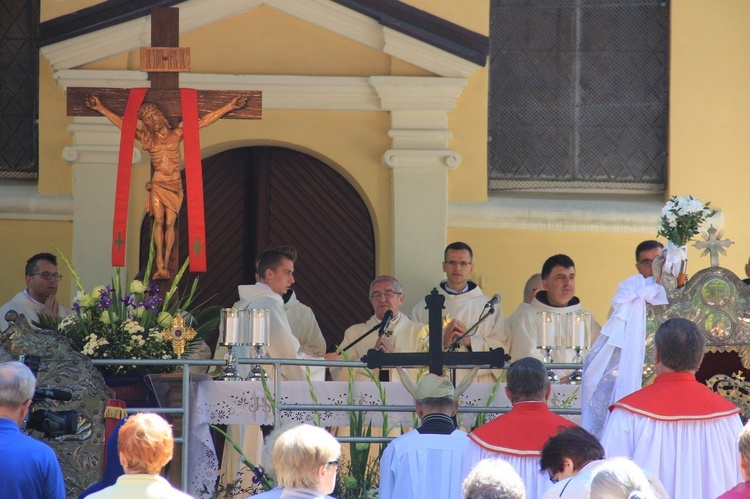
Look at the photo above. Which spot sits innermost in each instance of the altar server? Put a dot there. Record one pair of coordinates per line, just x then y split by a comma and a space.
519, 435
677, 428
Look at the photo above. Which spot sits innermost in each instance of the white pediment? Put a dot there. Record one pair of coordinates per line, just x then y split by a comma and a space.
195, 14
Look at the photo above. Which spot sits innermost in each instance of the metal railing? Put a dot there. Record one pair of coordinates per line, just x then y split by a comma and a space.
184, 409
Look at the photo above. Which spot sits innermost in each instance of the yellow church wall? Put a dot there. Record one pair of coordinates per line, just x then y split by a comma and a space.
468, 182
470, 14
54, 172
505, 259
708, 145
709, 113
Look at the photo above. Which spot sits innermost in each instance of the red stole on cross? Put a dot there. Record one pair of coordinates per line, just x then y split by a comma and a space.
522, 432
677, 397
193, 178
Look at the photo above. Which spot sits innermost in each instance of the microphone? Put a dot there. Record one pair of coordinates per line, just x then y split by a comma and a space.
386, 320
41, 394
493, 301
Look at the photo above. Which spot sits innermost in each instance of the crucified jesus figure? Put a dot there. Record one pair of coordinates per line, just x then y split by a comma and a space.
162, 142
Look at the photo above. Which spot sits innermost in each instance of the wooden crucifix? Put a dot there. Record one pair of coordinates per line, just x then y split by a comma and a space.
160, 109
435, 357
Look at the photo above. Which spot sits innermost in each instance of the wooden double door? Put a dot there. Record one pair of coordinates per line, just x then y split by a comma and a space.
261, 196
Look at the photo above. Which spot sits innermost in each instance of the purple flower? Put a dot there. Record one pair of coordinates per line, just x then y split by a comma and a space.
76, 307
106, 300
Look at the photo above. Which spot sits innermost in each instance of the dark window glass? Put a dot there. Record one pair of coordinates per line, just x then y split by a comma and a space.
578, 94
19, 88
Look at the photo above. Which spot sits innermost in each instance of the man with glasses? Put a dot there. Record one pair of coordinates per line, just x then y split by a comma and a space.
401, 334
30, 468
645, 254
39, 297
465, 303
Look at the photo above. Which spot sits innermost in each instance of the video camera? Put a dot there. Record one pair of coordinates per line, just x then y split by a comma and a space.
50, 423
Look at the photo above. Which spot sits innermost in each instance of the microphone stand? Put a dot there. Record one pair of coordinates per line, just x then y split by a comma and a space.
457, 342
367, 333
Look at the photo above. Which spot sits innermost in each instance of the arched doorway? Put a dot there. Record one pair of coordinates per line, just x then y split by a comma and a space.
261, 196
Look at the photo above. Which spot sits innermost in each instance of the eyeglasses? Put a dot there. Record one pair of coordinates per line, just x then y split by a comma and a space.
333, 463
389, 295
457, 264
48, 276
646, 262
552, 477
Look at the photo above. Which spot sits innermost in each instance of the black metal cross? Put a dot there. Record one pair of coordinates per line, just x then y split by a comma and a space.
435, 357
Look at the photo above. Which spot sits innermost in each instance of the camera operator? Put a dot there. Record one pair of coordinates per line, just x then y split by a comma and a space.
30, 468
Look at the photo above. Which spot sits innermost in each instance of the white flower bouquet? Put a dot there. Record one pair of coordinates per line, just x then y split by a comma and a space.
109, 323
681, 218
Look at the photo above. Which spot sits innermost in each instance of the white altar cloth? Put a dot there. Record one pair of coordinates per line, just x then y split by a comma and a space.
244, 402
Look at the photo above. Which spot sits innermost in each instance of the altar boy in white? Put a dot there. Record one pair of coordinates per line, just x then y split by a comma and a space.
677, 428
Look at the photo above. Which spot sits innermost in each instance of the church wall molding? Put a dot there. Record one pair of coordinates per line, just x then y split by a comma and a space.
195, 14
24, 202
561, 215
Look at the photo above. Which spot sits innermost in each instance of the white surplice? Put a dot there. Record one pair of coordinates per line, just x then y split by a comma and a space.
613, 368
29, 307
527, 467
305, 327
467, 307
692, 459
423, 466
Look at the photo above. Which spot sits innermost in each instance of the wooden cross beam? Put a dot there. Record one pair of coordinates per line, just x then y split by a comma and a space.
164, 60
435, 357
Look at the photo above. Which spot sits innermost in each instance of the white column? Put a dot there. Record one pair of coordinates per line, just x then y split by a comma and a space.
93, 157
420, 160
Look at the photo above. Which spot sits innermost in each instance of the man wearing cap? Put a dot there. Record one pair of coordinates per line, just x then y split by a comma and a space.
466, 303
519, 435
426, 462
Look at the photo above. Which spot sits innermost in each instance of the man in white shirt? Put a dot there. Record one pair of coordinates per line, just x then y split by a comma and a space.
39, 297
677, 428
465, 303
275, 278
645, 253
557, 295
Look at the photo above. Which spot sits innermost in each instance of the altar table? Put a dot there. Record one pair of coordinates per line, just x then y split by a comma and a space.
245, 402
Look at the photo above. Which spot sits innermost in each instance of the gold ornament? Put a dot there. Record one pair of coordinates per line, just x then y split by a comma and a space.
179, 334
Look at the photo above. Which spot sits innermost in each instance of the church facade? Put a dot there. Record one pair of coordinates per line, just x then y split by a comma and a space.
394, 101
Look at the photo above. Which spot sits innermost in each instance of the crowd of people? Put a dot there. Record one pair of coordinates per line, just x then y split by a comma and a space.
672, 439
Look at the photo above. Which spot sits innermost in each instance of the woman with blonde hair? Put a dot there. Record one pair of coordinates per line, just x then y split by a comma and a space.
306, 460
621, 478
145, 445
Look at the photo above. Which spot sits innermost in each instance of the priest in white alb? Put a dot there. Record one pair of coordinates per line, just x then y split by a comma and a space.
466, 303
677, 428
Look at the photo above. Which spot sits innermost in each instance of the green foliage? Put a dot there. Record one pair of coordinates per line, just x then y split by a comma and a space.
681, 218
118, 322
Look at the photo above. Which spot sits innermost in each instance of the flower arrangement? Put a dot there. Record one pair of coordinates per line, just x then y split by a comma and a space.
681, 218
111, 323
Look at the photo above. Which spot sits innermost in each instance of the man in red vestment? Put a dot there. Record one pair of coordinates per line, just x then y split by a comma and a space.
519, 435
677, 428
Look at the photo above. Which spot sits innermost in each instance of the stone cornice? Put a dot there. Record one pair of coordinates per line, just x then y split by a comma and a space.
194, 14
562, 215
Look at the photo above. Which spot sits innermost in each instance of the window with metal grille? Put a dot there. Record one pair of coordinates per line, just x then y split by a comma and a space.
578, 95
19, 88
